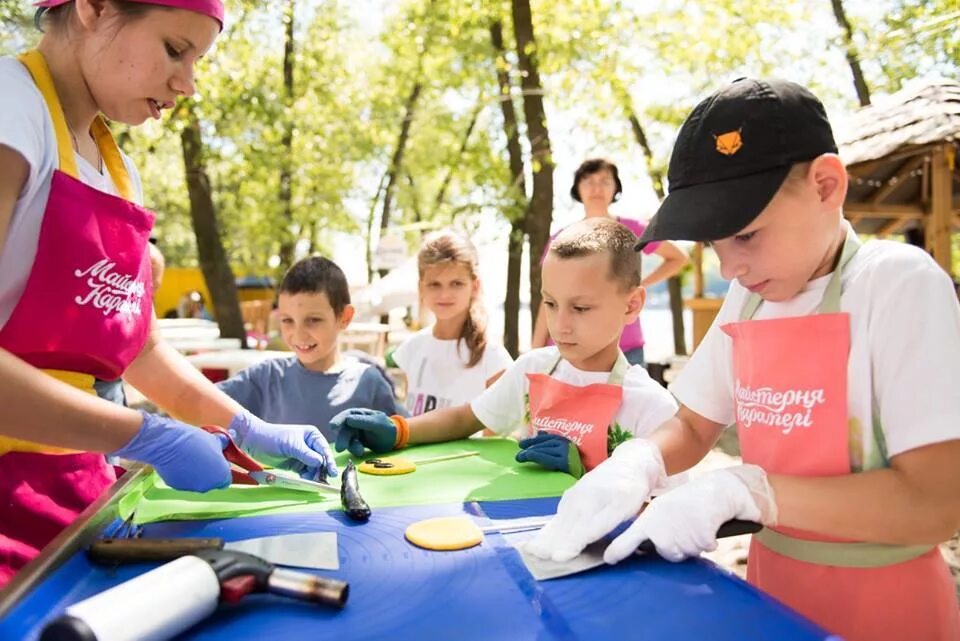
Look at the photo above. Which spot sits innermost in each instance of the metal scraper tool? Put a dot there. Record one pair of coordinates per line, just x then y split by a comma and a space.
311, 550
592, 555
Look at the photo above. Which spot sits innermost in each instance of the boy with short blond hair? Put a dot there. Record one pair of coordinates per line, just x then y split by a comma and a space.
576, 400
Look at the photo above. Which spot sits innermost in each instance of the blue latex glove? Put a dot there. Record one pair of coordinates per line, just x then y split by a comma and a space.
552, 451
358, 428
300, 448
185, 457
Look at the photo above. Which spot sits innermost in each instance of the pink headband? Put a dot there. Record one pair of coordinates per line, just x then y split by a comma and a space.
212, 8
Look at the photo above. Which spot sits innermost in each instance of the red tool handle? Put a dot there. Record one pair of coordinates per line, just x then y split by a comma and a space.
236, 457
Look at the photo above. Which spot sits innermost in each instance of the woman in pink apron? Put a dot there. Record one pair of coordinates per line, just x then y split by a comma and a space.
847, 417
75, 289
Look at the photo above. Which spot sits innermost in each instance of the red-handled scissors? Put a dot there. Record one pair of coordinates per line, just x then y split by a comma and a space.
245, 470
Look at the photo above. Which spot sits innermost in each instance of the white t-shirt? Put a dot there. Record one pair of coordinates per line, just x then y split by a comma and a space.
437, 372
502, 408
904, 353
26, 127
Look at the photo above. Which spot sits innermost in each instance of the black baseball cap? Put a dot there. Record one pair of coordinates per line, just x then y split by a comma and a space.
732, 154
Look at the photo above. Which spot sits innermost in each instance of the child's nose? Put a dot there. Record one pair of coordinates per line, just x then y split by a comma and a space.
299, 333
732, 269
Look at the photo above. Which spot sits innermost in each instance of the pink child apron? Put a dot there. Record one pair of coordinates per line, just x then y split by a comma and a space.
791, 401
581, 414
85, 313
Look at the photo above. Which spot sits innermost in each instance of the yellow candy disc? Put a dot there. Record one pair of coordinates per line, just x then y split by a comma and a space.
444, 533
387, 466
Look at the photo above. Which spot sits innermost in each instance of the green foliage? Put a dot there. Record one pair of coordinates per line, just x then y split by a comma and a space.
615, 436
919, 36
18, 33
599, 60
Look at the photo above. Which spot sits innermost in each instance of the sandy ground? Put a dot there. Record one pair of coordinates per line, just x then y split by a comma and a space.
732, 552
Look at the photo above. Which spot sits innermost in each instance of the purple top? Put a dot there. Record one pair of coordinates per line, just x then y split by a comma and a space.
632, 336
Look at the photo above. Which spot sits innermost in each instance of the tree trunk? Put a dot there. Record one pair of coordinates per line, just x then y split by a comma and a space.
674, 286
455, 163
511, 303
287, 243
395, 163
373, 210
518, 186
213, 258
859, 82
674, 283
312, 238
414, 198
540, 213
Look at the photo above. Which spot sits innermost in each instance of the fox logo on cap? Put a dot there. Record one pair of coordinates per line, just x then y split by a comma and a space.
730, 142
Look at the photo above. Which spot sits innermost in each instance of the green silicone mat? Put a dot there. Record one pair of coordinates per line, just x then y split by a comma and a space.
491, 475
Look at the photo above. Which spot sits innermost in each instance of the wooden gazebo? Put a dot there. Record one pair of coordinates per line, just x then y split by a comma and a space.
901, 157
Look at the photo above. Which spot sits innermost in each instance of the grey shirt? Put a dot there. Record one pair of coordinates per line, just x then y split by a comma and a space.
281, 390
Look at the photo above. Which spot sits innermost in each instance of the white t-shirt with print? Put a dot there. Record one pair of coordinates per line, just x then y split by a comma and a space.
904, 353
437, 372
26, 127
502, 408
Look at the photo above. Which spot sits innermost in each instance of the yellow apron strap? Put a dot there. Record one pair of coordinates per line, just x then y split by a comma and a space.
83, 382
37, 66
112, 159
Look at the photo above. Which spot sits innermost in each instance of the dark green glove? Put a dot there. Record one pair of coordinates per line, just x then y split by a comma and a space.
357, 428
552, 451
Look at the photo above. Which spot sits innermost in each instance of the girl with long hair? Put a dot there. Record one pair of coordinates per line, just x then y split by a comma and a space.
452, 361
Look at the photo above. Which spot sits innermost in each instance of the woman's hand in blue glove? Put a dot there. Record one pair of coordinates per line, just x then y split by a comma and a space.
357, 428
551, 451
185, 457
300, 448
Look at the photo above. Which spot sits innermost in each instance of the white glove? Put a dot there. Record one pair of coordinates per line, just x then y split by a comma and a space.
684, 522
603, 498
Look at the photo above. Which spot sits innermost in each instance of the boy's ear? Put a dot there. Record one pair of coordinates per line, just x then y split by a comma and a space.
829, 177
346, 316
635, 303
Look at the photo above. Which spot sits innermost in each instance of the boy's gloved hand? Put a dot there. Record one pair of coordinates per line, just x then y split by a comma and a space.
358, 428
607, 495
684, 521
185, 457
551, 451
300, 448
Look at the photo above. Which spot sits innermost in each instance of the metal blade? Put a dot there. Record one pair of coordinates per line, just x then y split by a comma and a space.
312, 550
265, 477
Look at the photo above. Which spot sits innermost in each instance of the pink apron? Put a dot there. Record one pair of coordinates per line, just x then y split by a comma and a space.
85, 313
791, 402
582, 414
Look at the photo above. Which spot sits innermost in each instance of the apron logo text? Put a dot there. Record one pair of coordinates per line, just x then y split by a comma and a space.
111, 291
572, 430
774, 408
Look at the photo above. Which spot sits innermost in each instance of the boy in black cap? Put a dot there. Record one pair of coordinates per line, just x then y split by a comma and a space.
836, 360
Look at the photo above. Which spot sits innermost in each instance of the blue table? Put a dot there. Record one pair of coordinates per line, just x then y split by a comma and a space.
398, 591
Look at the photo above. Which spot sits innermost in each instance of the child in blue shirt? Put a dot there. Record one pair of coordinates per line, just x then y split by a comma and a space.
317, 382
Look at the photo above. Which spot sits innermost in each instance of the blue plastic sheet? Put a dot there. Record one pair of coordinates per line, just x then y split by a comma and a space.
483, 593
